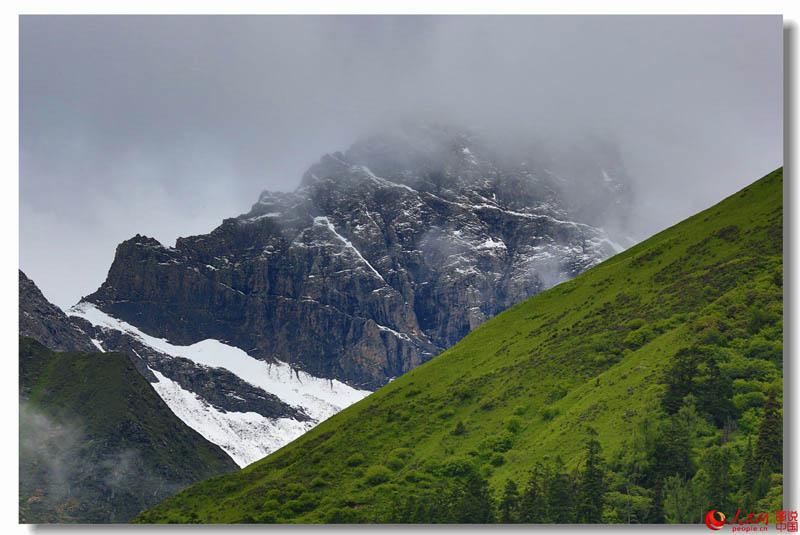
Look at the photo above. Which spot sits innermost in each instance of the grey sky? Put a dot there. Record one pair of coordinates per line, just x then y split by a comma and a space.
165, 125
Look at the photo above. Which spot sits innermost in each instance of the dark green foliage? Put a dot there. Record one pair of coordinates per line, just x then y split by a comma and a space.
717, 462
671, 452
561, 499
769, 448
355, 459
462, 496
679, 377
591, 485
508, 508
714, 395
377, 474
534, 499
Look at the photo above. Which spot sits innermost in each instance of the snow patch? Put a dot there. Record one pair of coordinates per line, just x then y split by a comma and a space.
245, 436
400, 335
383, 181
490, 243
325, 221
263, 216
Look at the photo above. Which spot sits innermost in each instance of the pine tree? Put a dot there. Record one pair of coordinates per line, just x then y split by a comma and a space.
719, 486
750, 467
471, 501
561, 498
590, 485
714, 395
678, 501
509, 504
769, 447
679, 378
533, 503
671, 451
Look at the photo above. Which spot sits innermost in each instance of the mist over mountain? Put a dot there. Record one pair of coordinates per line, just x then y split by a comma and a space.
163, 125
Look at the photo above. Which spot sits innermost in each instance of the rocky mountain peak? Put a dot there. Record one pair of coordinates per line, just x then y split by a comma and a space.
385, 255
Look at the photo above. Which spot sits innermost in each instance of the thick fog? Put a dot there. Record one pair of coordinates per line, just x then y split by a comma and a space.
165, 125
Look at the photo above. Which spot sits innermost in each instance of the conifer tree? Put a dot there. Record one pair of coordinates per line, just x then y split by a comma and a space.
769, 447
508, 508
533, 503
714, 395
719, 486
590, 485
561, 498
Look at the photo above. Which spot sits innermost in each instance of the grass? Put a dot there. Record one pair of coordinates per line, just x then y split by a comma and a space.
523, 387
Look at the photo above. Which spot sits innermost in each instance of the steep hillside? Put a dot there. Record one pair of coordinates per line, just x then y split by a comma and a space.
646, 389
97, 444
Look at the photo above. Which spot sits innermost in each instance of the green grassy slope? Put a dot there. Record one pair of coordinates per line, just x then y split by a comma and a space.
97, 444
601, 350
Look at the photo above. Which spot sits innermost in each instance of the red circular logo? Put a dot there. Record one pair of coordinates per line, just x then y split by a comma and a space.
715, 519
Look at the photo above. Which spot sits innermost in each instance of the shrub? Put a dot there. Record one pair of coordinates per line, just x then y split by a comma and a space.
317, 482
395, 463
403, 453
293, 490
742, 402
548, 413
302, 504
497, 459
501, 443
345, 515
456, 467
377, 474
356, 459
636, 323
638, 338
514, 425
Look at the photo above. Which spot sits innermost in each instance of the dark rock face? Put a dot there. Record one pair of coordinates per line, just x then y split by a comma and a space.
383, 257
43, 321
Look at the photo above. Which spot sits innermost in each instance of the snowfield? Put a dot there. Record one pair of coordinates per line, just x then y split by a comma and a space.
245, 436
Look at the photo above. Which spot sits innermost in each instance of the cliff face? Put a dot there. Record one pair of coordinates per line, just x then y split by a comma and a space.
43, 321
383, 257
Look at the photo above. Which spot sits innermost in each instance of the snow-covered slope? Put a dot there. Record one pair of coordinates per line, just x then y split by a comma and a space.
247, 435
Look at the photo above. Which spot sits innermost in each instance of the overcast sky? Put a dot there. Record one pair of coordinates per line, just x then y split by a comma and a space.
166, 125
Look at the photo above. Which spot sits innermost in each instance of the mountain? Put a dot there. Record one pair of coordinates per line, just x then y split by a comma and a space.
235, 413
43, 321
383, 257
647, 389
97, 444
283, 316
380, 259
